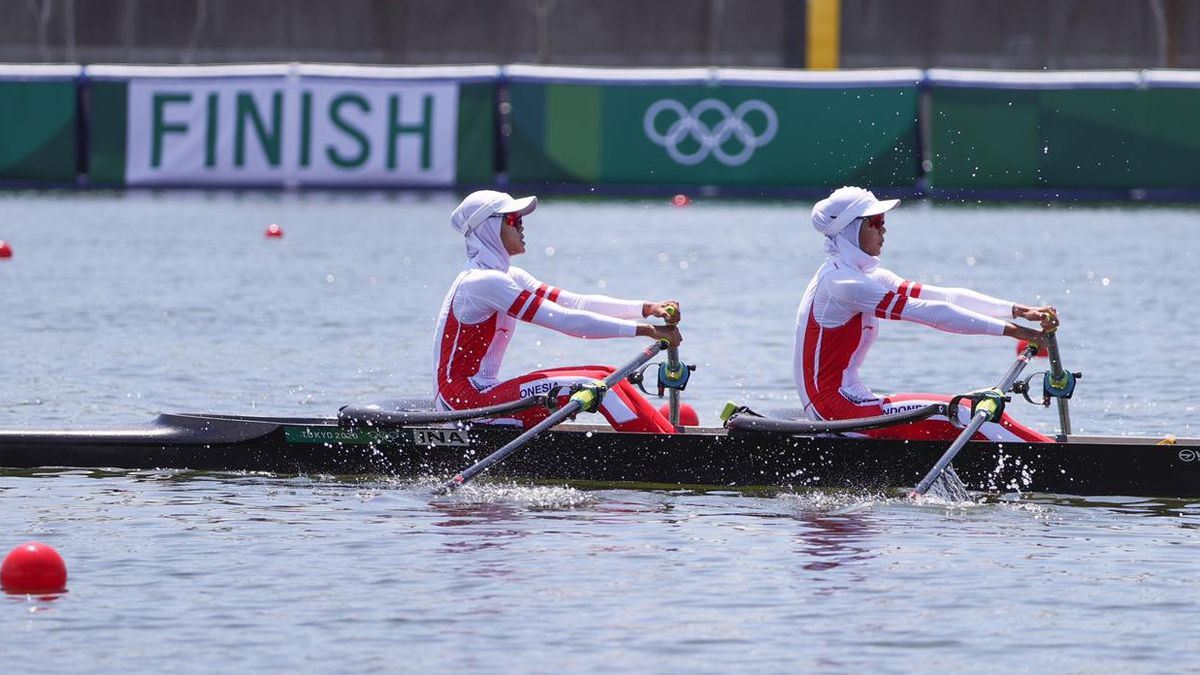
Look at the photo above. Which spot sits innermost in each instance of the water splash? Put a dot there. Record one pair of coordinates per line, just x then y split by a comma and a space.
538, 497
949, 487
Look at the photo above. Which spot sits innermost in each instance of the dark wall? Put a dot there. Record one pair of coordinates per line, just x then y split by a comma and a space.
875, 33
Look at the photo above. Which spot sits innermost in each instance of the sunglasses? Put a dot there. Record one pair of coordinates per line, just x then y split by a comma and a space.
875, 221
512, 219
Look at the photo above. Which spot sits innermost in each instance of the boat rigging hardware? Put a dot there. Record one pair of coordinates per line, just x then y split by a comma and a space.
589, 395
673, 378
666, 380
1051, 388
990, 400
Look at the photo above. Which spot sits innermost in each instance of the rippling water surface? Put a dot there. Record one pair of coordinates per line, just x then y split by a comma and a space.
117, 306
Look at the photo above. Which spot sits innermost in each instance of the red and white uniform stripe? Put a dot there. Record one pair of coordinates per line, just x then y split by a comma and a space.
838, 320
476, 323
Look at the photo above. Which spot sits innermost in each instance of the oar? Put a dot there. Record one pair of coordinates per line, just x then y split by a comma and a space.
583, 399
676, 371
1060, 381
991, 406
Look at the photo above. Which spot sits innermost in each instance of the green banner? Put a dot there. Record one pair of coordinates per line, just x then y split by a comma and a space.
1053, 132
476, 133
38, 126
106, 133
732, 133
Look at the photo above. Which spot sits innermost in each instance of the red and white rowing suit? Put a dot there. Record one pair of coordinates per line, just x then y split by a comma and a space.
837, 323
477, 321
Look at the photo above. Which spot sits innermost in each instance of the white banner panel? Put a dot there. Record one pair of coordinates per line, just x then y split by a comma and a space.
288, 130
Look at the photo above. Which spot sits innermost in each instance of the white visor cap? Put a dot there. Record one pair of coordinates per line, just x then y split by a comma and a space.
480, 205
839, 209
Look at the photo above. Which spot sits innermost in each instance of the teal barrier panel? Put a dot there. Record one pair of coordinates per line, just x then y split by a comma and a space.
292, 125
1080, 130
720, 127
39, 124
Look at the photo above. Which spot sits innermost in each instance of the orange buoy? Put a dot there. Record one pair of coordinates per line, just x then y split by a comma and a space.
5, 249
274, 230
687, 414
681, 200
32, 568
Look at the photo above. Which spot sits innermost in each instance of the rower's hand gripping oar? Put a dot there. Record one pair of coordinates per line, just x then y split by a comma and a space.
988, 407
586, 399
1057, 383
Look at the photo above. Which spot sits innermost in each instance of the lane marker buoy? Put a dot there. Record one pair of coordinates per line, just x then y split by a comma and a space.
32, 568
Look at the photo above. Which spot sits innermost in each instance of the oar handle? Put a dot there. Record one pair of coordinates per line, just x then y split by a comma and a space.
1059, 378
674, 369
580, 400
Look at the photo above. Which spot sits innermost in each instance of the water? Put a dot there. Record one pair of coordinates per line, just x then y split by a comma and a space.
117, 306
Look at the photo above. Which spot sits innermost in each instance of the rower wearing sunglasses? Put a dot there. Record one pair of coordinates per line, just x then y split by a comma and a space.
490, 295
839, 317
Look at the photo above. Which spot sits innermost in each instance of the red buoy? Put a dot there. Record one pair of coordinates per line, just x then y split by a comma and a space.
274, 230
681, 200
687, 414
32, 568
1042, 351
5, 249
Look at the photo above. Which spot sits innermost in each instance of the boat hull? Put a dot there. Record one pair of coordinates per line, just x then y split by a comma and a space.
573, 452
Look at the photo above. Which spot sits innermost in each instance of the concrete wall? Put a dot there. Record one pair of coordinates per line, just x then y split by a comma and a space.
875, 33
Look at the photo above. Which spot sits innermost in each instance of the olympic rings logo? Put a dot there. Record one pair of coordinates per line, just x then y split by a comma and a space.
710, 140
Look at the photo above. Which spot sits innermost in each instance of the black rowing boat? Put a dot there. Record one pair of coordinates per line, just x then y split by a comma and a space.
742, 455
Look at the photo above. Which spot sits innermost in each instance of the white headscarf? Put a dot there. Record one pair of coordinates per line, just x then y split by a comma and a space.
846, 248
479, 219
485, 250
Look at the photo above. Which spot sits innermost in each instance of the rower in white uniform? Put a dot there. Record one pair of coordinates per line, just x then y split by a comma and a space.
838, 320
490, 295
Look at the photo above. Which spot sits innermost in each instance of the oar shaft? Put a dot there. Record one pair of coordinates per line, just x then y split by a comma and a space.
1014, 372
572, 407
1056, 373
673, 394
948, 456
981, 416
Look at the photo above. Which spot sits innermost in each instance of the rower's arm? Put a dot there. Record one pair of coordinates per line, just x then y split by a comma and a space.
580, 323
599, 304
950, 318
972, 300
966, 298
869, 296
499, 292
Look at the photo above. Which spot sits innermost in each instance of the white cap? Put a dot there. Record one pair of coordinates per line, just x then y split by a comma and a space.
839, 209
483, 204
